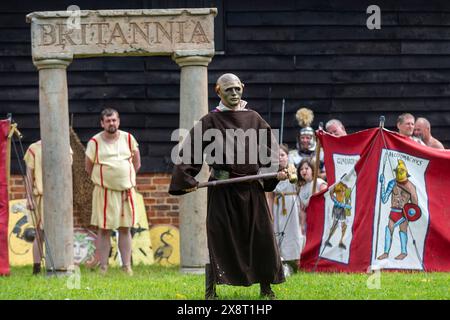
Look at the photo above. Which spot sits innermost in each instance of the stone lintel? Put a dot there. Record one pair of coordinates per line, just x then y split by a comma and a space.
121, 13
88, 33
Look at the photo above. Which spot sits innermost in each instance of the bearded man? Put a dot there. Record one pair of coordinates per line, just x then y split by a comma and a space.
112, 160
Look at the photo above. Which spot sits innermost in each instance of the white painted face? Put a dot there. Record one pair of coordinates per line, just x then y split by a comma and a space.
229, 88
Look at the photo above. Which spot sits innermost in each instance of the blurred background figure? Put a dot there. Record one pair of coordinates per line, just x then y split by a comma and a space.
285, 208
405, 126
305, 174
422, 130
306, 141
336, 128
33, 162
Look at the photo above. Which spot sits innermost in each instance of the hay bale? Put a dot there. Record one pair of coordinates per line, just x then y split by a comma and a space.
82, 185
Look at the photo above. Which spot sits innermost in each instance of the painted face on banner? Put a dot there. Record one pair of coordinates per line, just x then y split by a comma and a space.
80, 251
83, 247
110, 123
340, 191
401, 172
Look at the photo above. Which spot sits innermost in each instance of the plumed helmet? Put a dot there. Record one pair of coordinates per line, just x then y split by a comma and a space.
308, 131
305, 117
401, 172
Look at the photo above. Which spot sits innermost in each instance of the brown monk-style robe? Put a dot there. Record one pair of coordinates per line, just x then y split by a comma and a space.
241, 241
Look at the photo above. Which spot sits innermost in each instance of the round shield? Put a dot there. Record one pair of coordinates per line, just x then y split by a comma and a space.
29, 234
412, 211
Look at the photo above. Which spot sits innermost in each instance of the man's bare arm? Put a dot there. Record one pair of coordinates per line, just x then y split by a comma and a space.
136, 160
29, 188
437, 144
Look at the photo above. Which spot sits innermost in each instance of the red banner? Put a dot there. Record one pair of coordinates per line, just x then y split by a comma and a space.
4, 207
385, 207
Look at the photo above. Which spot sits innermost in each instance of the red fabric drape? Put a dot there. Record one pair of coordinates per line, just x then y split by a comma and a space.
372, 206
4, 204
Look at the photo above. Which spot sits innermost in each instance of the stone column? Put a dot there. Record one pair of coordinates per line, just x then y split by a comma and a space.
193, 105
56, 163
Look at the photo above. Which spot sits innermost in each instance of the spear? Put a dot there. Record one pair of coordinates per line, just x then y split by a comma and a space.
282, 122
317, 162
381, 192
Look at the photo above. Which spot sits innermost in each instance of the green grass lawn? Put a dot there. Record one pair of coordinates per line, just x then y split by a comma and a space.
155, 282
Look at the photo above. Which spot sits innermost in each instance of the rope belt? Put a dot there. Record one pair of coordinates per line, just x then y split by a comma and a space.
282, 196
127, 197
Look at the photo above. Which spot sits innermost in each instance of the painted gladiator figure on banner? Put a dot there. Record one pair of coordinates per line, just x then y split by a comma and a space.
404, 207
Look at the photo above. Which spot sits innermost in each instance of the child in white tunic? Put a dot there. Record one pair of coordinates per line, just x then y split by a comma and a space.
305, 182
284, 203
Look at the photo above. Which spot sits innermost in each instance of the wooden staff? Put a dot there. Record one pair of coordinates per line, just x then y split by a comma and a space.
12, 131
316, 166
291, 172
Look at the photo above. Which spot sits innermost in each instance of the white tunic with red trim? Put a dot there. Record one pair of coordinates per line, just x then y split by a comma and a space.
33, 160
114, 180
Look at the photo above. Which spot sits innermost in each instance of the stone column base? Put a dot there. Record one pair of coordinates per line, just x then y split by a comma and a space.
192, 270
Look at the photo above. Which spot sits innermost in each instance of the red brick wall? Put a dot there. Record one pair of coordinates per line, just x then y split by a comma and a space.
16, 187
161, 207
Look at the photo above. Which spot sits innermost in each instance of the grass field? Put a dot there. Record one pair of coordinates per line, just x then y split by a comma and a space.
154, 282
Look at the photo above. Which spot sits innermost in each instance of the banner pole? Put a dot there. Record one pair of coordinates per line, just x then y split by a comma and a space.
381, 192
282, 123
316, 165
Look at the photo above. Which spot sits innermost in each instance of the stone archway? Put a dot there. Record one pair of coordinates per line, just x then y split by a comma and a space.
187, 35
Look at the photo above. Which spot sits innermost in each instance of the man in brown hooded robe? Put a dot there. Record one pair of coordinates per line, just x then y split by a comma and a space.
241, 242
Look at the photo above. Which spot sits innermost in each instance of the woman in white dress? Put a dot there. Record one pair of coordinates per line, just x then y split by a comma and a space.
284, 205
305, 181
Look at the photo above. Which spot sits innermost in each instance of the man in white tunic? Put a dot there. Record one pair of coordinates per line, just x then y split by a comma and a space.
112, 160
35, 196
33, 161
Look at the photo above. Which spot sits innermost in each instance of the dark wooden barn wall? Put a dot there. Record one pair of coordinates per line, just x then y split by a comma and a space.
317, 54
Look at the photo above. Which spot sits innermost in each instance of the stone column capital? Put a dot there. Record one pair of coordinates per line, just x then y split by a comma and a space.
60, 62
193, 60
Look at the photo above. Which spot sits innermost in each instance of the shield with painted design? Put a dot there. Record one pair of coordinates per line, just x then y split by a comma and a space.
412, 211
